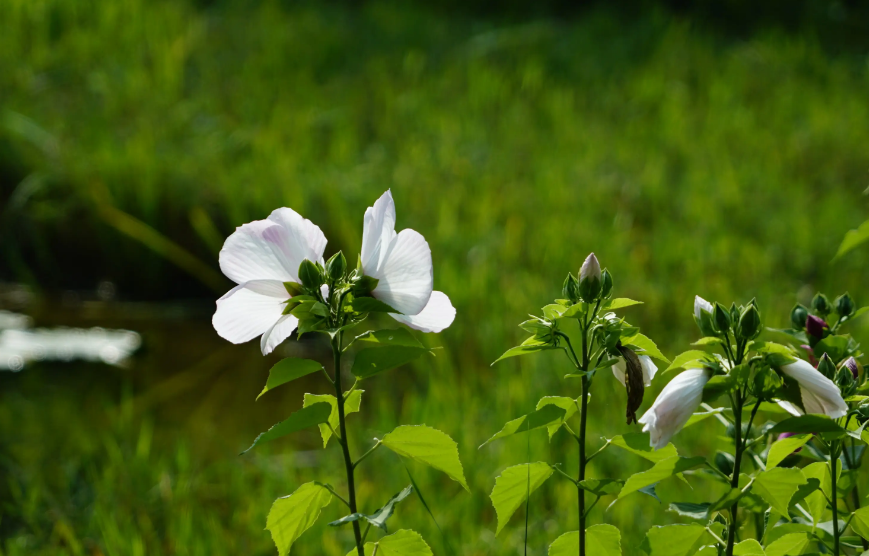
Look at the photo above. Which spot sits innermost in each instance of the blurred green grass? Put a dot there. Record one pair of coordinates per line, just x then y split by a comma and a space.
690, 162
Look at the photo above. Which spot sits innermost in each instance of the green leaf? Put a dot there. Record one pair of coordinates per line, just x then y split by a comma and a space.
730, 497
852, 239
660, 471
403, 542
287, 370
817, 501
379, 517
430, 446
748, 547
619, 303
691, 510
301, 419
674, 540
292, 515
860, 522
600, 540
523, 350
703, 415
785, 447
707, 341
553, 311
601, 487
371, 305
777, 486
807, 423
565, 403
351, 405
787, 545
687, 360
645, 345
372, 361
638, 443
716, 386
514, 485
542, 417
389, 337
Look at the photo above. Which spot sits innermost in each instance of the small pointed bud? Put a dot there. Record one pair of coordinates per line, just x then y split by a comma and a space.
826, 367
749, 323
701, 305
721, 318
799, 314
336, 266
310, 275
703, 316
854, 366
845, 305
293, 288
821, 304
734, 312
570, 289
607, 287
816, 326
590, 279
844, 379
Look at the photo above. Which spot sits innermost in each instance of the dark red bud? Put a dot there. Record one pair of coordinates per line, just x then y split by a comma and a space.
816, 326
853, 366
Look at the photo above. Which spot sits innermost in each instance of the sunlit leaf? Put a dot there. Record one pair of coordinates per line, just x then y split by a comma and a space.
674, 540
785, 447
638, 443
619, 303
601, 487
544, 417
372, 361
379, 517
788, 545
660, 471
860, 522
748, 547
807, 423
778, 485
703, 415
430, 446
600, 540
287, 370
817, 501
351, 405
694, 511
686, 360
403, 542
707, 341
523, 350
852, 239
302, 419
646, 346
292, 515
565, 403
514, 485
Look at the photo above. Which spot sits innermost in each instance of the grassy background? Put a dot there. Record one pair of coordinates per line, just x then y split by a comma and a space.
690, 161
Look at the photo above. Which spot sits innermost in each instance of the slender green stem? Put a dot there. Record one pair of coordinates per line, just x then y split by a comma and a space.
583, 421
593, 504
566, 476
734, 479
366, 454
834, 467
345, 445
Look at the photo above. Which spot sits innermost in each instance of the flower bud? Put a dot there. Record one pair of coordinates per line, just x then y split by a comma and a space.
703, 316
821, 304
590, 279
826, 367
570, 289
294, 288
701, 305
607, 284
749, 323
816, 326
336, 266
734, 312
844, 379
854, 366
766, 383
845, 305
799, 314
721, 318
310, 275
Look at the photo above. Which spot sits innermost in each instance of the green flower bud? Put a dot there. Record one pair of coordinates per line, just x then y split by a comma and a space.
607, 287
821, 304
845, 305
721, 318
844, 379
703, 316
590, 279
336, 266
799, 314
749, 323
766, 383
570, 289
310, 275
734, 312
293, 288
826, 367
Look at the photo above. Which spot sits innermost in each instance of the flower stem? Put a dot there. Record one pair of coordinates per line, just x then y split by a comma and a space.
345, 445
734, 479
834, 497
583, 421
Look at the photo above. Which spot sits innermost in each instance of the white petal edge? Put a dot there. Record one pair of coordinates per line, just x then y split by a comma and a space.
243, 314
406, 276
649, 369
674, 406
378, 230
819, 393
438, 314
279, 332
304, 239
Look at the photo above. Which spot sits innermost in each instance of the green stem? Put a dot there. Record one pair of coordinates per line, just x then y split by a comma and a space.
366, 454
734, 479
345, 444
834, 458
583, 421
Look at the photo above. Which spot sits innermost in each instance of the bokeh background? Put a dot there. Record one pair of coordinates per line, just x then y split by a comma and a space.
713, 148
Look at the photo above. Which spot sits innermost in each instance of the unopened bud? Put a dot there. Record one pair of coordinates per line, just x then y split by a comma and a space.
590, 279
721, 318
816, 326
854, 366
826, 367
703, 316
701, 305
570, 289
749, 323
821, 304
310, 275
844, 379
607, 284
799, 314
845, 305
336, 266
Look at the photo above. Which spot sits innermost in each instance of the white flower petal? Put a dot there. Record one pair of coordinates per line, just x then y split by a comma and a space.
243, 314
279, 332
378, 231
590, 268
438, 314
271, 249
819, 393
271, 288
649, 369
790, 408
619, 370
702, 304
405, 275
674, 406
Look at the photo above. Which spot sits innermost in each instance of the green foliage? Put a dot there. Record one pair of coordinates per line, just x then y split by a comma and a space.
787, 545
373, 361
569, 405
309, 416
638, 444
287, 370
853, 239
807, 424
352, 402
294, 514
663, 469
401, 543
674, 540
748, 547
379, 517
602, 539
429, 446
549, 415
785, 447
777, 486
514, 485
860, 522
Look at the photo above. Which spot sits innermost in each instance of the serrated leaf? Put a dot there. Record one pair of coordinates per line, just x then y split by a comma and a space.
787, 545
403, 542
540, 418
674, 540
600, 540
685, 360
287, 370
371, 305
777, 486
292, 515
351, 405
645, 345
688, 509
785, 447
860, 522
429, 446
389, 337
807, 423
601, 487
817, 501
660, 471
638, 443
553, 311
565, 403
379, 517
373, 361
748, 547
302, 419
514, 485
523, 350
619, 303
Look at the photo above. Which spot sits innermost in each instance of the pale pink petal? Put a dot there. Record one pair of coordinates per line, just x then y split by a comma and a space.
279, 332
243, 314
438, 314
405, 276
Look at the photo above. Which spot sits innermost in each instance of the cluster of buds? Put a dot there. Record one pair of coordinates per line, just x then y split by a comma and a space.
715, 320
815, 321
544, 331
593, 284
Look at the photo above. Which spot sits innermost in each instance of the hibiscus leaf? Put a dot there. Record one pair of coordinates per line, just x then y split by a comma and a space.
778, 485
543, 417
302, 419
373, 361
287, 370
403, 542
389, 337
660, 471
600, 540
430, 446
674, 540
292, 515
785, 447
352, 402
807, 423
371, 305
514, 485
524, 350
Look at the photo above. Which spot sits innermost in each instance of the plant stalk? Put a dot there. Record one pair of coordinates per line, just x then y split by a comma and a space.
345, 445
583, 420
734, 479
834, 497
